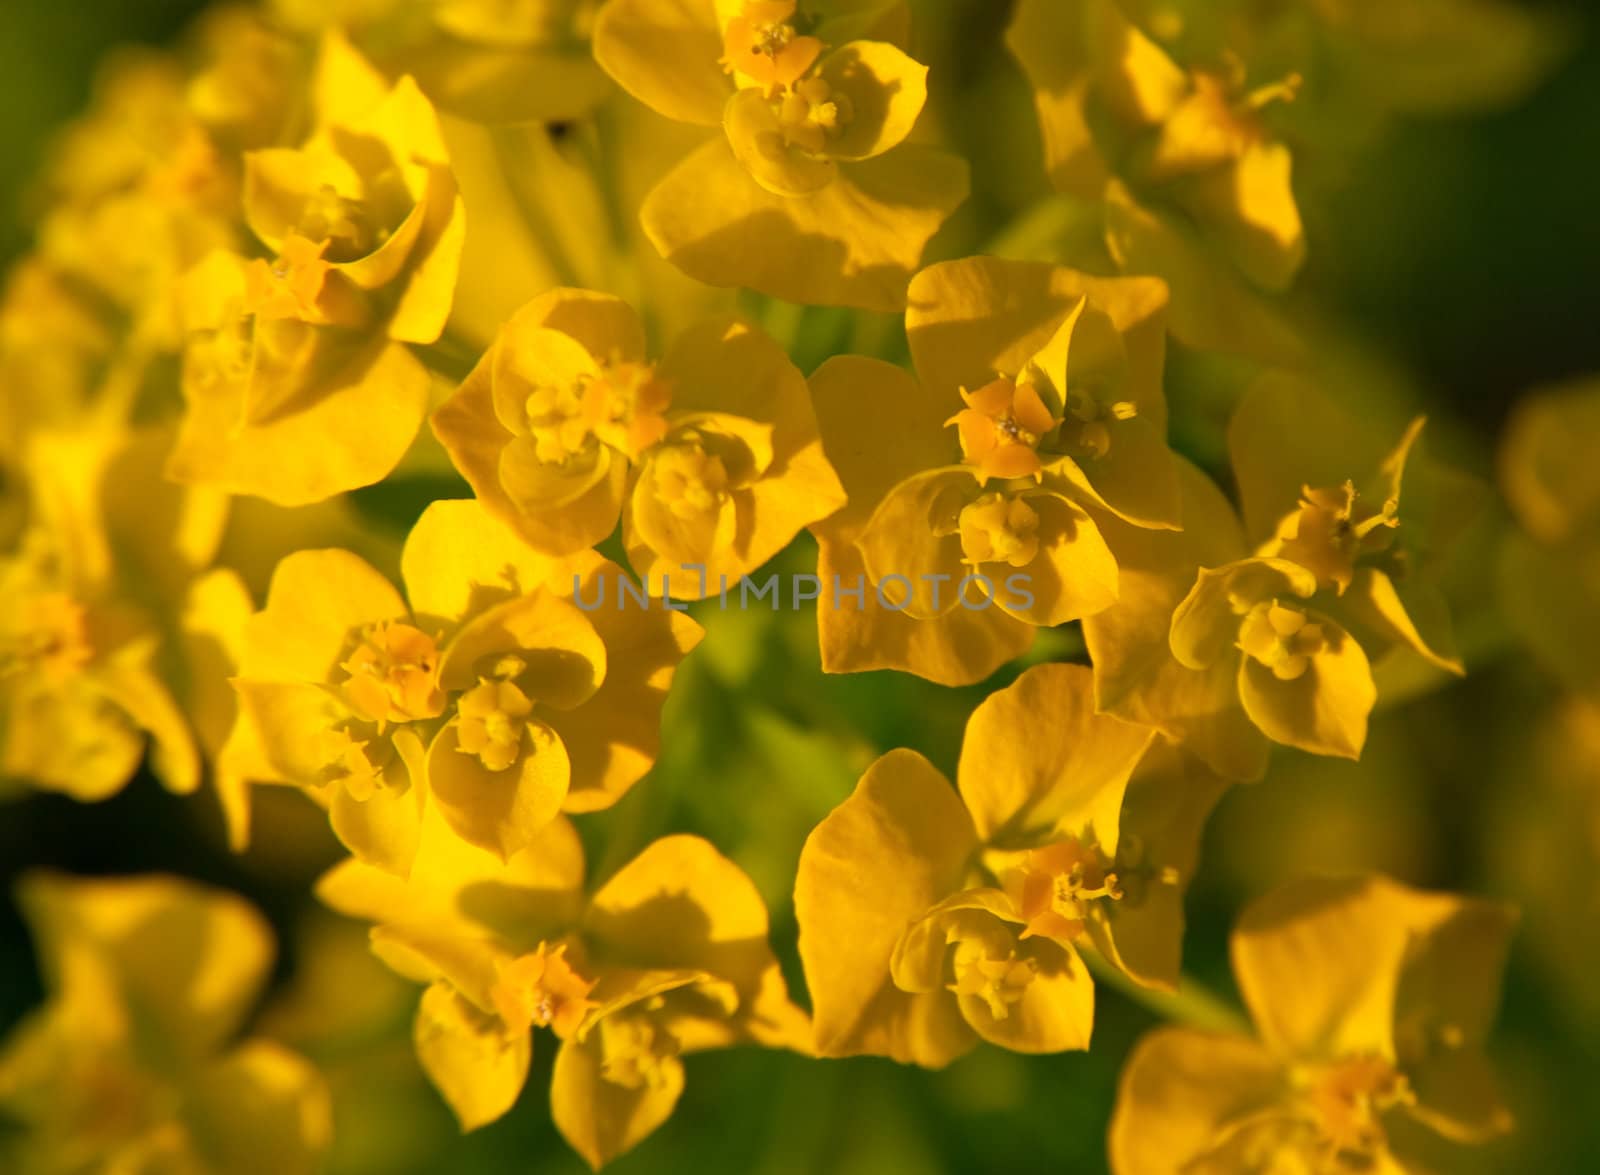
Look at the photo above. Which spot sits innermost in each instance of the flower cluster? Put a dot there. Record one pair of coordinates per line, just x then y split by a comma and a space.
1102, 468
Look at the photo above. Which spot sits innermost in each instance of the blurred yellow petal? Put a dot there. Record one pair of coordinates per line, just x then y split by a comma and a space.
855, 242
602, 1119
473, 1060
665, 53
262, 1110
1181, 1092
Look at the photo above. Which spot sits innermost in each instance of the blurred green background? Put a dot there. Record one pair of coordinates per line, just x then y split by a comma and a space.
1465, 249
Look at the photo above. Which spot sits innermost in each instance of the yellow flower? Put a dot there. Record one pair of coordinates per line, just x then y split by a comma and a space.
1371, 1000
297, 383
491, 696
132, 1063
1325, 491
810, 193
1194, 183
710, 457
966, 542
107, 589
1302, 680
931, 918
493, 61
667, 957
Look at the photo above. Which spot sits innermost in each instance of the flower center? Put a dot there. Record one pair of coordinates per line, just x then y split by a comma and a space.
288, 287
983, 972
542, 989
1060, 884
492, 722
623, 405
1347, 1099
763, 45
1281, 638
692, 483
999, 529
340, 225
1087, 427
810, 113
1001, 427
392, 675
1334, 528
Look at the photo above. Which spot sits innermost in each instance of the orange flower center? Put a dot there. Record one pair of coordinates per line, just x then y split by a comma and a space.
393, 675
1001, 427
1347, 1099
542, 989
763, 45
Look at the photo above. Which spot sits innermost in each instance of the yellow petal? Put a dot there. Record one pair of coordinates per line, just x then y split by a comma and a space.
1136, 676
1213, 306
853, 243
681, 904
349, 431
1412, 615
560, 658
1074, 574
318, 601
1164, 812
1181, 1091
1325, 709
886, 90
185, 961
458, 559
970, 318
606, 326
473, 1060
963, 646
1038, 763
879, 426
601, 1119
903, 837
261, 1110
384, 827
912, 534
501, 811
665, 53
613, 738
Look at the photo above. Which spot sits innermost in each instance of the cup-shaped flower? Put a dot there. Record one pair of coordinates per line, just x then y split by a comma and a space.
297, 382
667, 957
490, 694
710, 458
1195, 183
932, 917
810, 192
1325, 489
1037, 400
1301, 678
133, 1061
1371, 1002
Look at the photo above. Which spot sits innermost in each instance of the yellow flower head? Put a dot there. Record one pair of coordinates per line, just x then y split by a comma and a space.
932, 917
1371, 1002
813, 104
133, 1062
490, 696
709, 457
1066, 423
667, 957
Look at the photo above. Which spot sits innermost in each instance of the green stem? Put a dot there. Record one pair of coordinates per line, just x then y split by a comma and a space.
1191, 1005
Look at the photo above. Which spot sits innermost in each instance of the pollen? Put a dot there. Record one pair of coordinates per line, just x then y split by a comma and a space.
1001, 427
1061, 884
